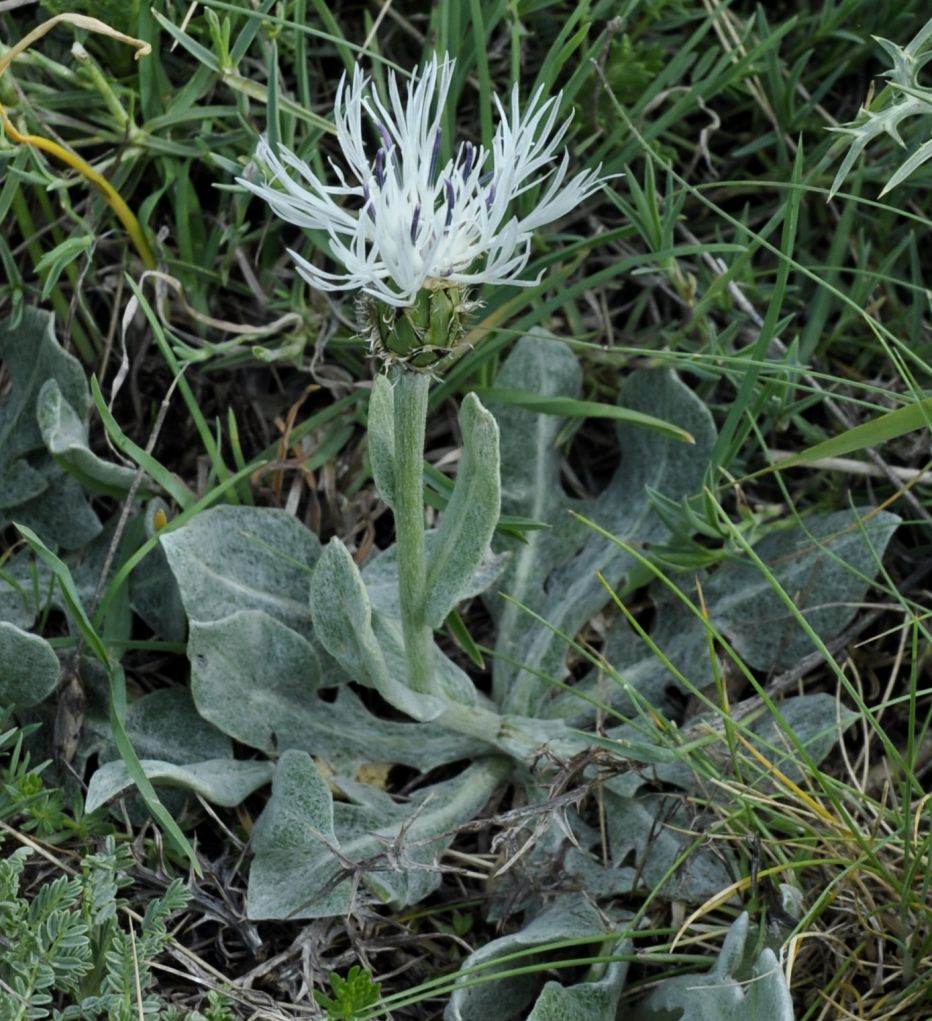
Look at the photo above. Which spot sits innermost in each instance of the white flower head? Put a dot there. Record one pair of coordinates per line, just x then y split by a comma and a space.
397, 220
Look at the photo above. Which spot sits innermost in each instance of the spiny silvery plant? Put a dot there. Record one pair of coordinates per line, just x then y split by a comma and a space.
413, 235
904, 97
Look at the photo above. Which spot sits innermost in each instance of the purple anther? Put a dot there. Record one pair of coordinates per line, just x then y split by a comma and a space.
414, 223
451, 200
435, 159
469, 154
380, 167
367, 204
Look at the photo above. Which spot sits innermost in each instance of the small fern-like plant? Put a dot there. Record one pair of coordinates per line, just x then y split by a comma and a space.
31, 804
351, 995
64, 953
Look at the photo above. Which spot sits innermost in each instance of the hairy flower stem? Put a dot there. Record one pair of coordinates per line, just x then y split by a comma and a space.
410, 420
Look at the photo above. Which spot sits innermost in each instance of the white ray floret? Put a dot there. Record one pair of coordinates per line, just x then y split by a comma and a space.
397, 221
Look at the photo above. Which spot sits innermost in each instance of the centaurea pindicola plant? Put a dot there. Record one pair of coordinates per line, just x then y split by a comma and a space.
413, 236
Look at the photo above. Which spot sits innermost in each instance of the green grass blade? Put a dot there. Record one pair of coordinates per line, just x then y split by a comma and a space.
136, 773
117, 694
880, 430
747, 399
170, 482
69, 590
203, 429
568, 407
249, 31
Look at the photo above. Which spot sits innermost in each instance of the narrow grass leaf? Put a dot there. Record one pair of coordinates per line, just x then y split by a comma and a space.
460, 634
272, 128
747, 401
569, 407
170, 482
54, 262
137, 773
117, 696
254, 22
70, 592
878, 431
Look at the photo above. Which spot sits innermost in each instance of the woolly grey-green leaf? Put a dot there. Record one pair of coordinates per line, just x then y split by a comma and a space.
22, 482
295, 873
381, 575
344, 625
60, 515
739, 987
568, 918
427, 828
816, 721
825, 564
25, 585
454, 682
257, 680
225, 782
254, 678
595, 1000
649, 832
165, 724
65, 436
556, 572
33, 489
29, 668
646, 835
472, 513
288, 874
638, 675
244, 558
342, 616
381, 433
31, 355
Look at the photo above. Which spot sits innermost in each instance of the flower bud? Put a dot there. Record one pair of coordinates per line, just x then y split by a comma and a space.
422, 335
